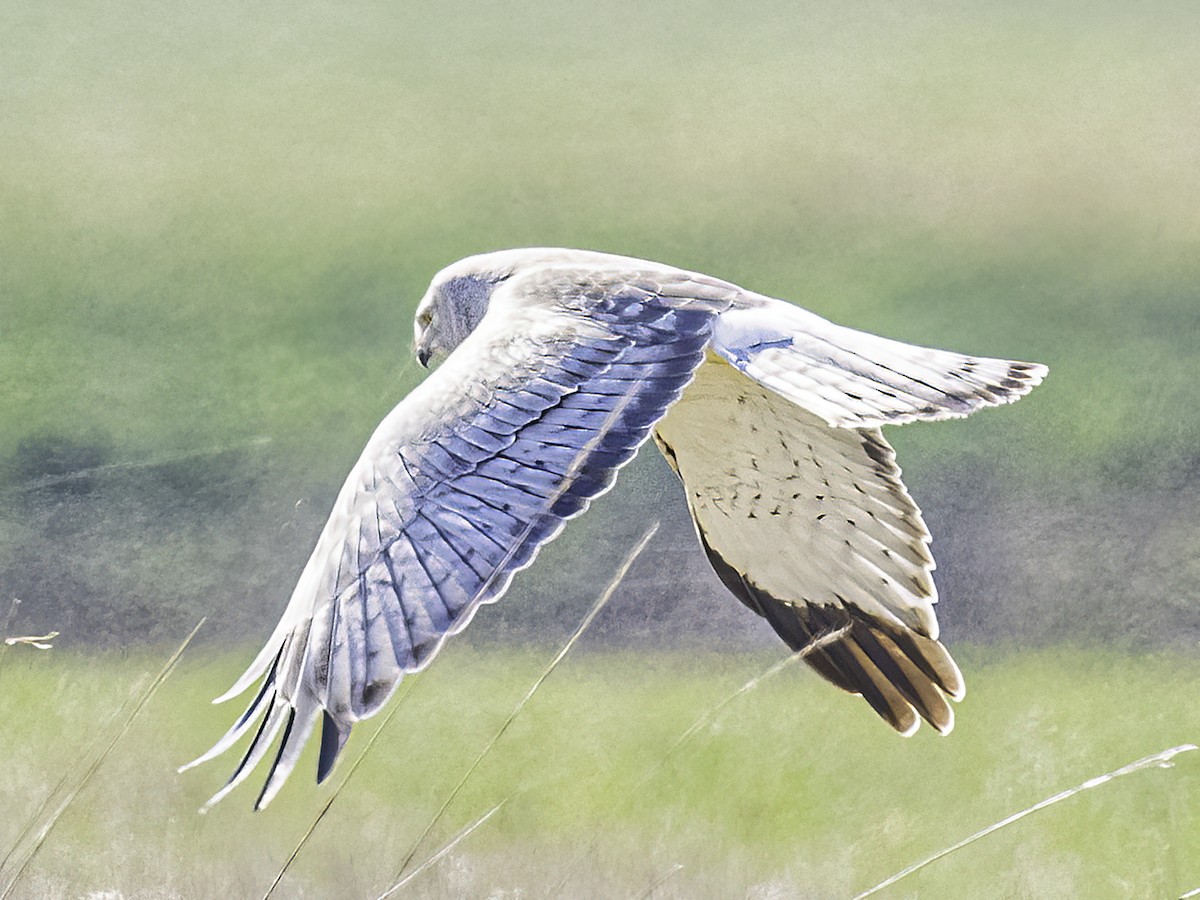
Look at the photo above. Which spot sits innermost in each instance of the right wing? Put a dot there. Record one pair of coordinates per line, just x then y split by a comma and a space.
811, 527
525, 423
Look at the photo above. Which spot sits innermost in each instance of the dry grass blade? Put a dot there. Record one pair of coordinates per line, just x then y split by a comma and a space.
708, 717
659, 882
54, 791
324, 809
12, 612
704, 720
91, 770
445, 849
1158, 760
600, 603
37, 641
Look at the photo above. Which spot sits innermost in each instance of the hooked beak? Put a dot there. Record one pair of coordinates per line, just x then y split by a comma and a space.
423, 355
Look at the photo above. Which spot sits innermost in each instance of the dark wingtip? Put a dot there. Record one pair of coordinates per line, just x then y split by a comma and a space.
859, 663
333, 739
283, 742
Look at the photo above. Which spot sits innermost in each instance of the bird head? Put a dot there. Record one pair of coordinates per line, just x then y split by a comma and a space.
456, 301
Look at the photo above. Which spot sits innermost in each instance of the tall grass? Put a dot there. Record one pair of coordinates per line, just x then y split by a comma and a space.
216, 226
793, 789
76, 778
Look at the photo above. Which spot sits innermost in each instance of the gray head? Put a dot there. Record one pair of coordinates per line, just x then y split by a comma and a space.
460, 294
456, 300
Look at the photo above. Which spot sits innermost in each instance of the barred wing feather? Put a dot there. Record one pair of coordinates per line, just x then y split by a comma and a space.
852, 379
458, 488
811, 527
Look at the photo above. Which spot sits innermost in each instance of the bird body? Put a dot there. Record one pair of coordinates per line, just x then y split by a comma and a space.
558, 365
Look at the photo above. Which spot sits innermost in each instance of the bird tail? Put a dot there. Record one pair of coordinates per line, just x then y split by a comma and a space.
852, 379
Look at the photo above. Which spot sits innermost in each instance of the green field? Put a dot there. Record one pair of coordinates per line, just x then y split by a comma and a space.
215, 222
793, 790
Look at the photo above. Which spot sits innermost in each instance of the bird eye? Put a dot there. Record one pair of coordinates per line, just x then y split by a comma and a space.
424, 318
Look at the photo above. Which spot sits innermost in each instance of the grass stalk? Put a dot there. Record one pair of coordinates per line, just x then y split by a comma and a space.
328, 803
8, 620
444, 850
91, 770
600, 603
660, 881
704, 720
31, 823
1162, 760
707, 718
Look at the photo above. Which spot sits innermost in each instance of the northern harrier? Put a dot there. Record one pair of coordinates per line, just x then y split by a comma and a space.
559, 365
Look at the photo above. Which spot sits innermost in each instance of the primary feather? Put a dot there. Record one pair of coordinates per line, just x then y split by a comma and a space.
560, 364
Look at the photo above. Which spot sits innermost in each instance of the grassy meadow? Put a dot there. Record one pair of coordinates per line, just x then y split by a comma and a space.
215, 223
793, 790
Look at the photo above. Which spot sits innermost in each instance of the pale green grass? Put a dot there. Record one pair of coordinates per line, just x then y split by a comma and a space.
215, 225
794, 789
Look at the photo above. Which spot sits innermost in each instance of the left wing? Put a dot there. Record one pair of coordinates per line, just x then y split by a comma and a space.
852, 379
524, 424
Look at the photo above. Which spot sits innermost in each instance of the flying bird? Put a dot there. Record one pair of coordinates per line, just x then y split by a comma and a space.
557, 365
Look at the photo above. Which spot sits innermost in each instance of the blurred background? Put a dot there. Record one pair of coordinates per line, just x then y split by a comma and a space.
216, 220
